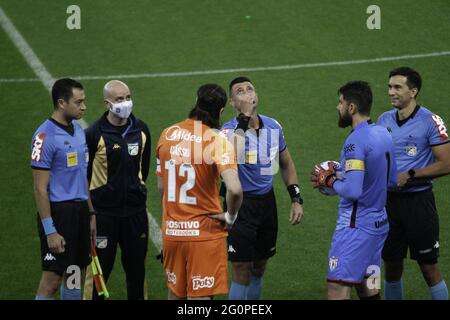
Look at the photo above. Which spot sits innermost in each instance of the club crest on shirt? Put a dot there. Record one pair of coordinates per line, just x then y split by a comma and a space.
133, 148
101, 242
411, 150
333, 263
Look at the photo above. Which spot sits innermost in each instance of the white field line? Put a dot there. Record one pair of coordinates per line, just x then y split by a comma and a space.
47, 80
155, 231
24, 48
241, 70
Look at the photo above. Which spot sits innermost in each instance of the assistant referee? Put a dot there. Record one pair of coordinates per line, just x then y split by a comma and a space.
59, 158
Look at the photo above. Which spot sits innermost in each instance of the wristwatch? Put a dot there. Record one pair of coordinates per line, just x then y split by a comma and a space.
411, 173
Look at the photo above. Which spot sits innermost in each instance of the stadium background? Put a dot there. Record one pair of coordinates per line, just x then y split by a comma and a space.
147, 37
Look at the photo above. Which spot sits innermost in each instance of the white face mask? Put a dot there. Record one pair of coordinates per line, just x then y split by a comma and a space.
122, 109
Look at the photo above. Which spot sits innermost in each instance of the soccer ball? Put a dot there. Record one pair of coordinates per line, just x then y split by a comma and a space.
337, 168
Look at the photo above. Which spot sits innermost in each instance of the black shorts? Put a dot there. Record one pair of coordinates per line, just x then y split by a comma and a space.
253, 236
72, 221
413, 224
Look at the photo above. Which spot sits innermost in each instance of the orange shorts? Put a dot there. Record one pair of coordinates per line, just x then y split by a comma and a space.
196, 268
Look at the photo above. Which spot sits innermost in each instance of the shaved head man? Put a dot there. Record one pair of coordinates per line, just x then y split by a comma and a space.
117, 99
119, 156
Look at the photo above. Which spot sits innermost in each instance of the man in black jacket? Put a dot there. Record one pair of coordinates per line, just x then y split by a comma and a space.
119, 155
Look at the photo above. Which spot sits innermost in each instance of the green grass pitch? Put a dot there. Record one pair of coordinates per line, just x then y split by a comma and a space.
137, 36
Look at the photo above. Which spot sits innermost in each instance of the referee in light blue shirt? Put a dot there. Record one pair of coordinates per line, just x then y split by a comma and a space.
252, 240
66, 219
422, 152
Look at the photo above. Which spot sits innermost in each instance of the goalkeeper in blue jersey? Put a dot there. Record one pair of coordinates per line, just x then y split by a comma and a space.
422, 152
367, 159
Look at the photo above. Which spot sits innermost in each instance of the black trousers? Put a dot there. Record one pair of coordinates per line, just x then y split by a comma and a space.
131, 233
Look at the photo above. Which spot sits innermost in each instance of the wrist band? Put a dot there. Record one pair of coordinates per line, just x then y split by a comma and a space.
48, 225
294, 193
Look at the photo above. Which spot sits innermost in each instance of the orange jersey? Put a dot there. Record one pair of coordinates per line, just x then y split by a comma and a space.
190, 157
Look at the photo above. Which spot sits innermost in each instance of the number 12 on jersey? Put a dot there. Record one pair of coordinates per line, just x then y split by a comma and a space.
185, 170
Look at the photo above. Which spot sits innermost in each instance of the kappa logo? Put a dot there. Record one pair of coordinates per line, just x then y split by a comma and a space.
49, 257
38, 146
231, 249
436, 245
175, 133
440, 126
116, 146
333, 263
200, 283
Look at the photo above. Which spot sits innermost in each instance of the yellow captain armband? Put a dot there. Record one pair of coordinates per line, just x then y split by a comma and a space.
354, 164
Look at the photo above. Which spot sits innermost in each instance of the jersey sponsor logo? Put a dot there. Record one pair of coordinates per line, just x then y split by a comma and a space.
72, 159
133, 149
411, 150
199, 283
183, 224
171, 277
381, 223
175, 133
49, 257
182, 233
354, 164
440, 125
178, 151
38, 146
101, 242
183, 228
333, 263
